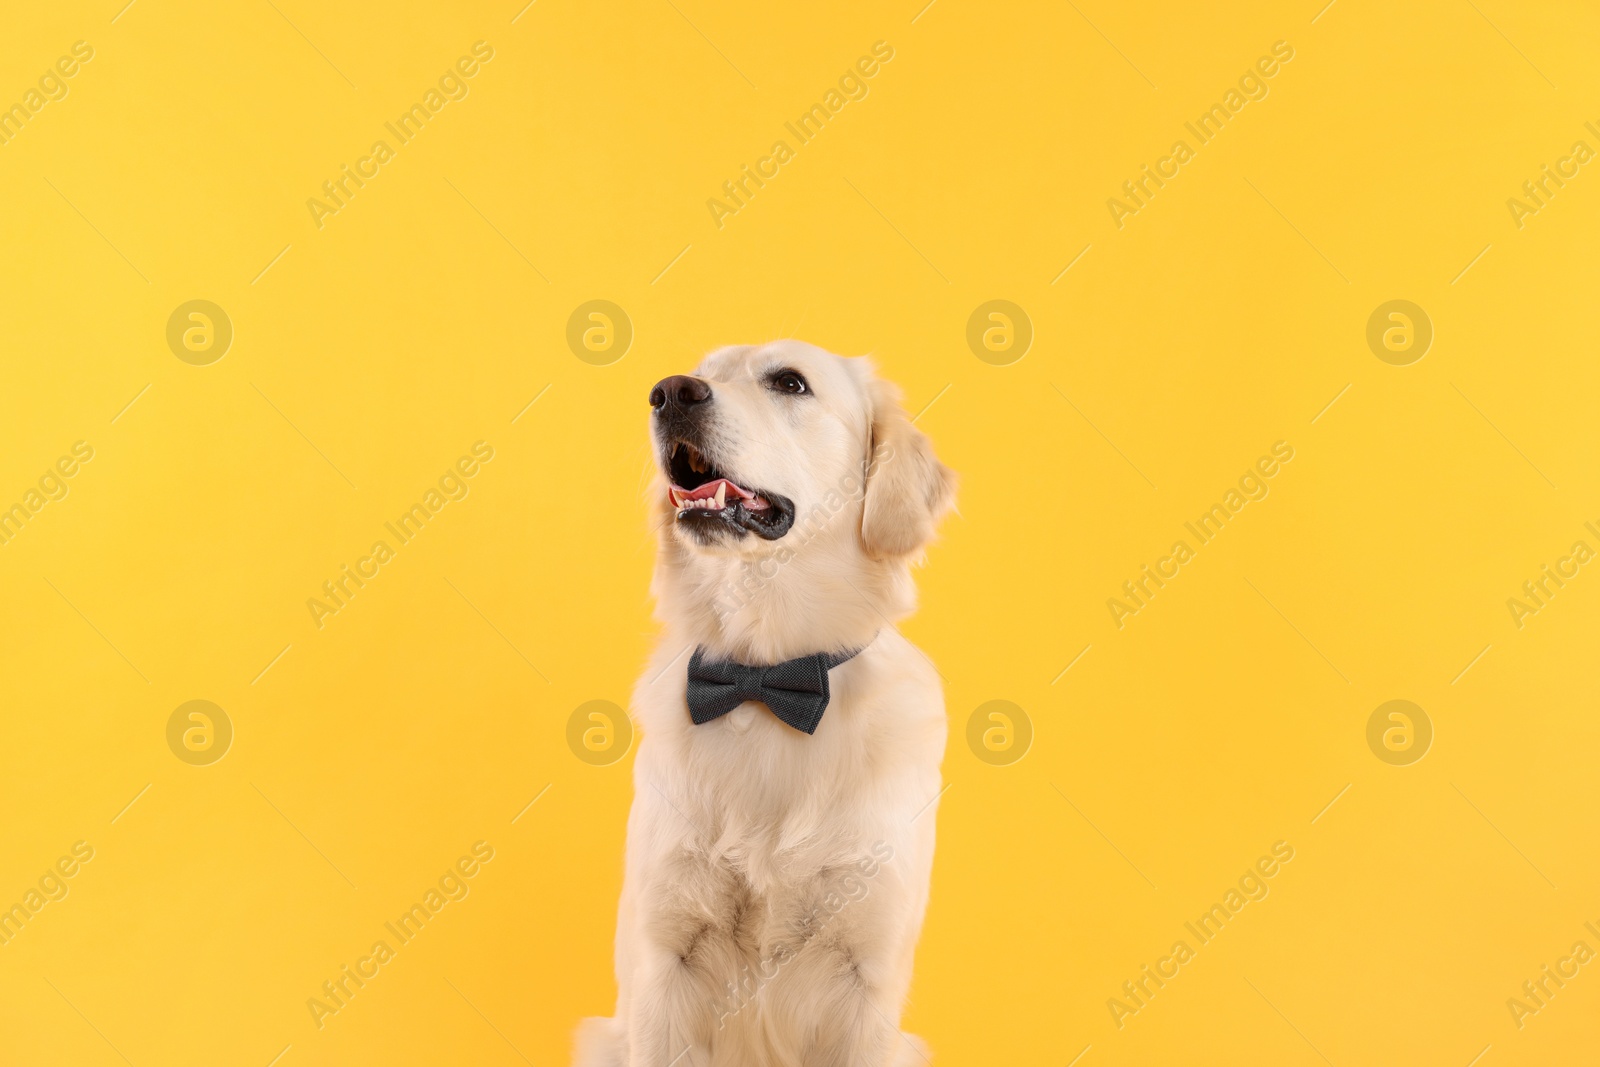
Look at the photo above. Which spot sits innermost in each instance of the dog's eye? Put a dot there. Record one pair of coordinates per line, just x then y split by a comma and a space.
787, 381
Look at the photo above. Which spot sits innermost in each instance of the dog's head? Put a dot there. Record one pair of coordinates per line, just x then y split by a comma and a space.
766, 445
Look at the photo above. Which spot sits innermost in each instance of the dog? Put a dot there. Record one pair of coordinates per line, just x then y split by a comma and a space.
781, 837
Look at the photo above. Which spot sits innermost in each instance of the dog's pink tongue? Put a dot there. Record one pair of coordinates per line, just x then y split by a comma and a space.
710, 490
706, 496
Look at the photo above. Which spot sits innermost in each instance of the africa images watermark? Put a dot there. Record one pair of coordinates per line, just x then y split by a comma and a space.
1252, 886
452, 85
52, 485
1252, 85
1538, 592
1539, 191
339, 991
52, 886
1538, 992
52, 86
1252, 485
852, 85
452, 485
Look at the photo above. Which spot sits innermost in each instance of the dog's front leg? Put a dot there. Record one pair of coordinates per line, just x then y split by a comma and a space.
675, 1011
833, 1004
856, 1026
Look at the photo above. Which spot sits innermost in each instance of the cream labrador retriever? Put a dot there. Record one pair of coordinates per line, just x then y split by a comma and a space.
781, 837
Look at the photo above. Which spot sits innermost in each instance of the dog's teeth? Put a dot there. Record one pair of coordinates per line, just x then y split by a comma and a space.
722, 493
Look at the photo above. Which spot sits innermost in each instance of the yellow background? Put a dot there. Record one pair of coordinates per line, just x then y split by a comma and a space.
427, 714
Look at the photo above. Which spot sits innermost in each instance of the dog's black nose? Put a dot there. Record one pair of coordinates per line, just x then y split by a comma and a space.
679, 391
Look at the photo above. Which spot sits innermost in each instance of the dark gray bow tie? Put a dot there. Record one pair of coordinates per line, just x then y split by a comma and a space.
796, 690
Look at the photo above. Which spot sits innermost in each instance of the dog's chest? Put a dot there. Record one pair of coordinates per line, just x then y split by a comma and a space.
752, 763
741, 718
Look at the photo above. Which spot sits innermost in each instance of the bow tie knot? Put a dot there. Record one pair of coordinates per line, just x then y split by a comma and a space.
796, 690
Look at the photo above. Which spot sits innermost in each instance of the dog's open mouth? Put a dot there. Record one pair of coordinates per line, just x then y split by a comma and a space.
703, 494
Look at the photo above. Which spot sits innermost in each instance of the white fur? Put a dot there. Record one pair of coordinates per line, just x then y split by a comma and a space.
794, 866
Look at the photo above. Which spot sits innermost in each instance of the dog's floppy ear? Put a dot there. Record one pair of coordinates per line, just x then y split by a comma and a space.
908, 489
